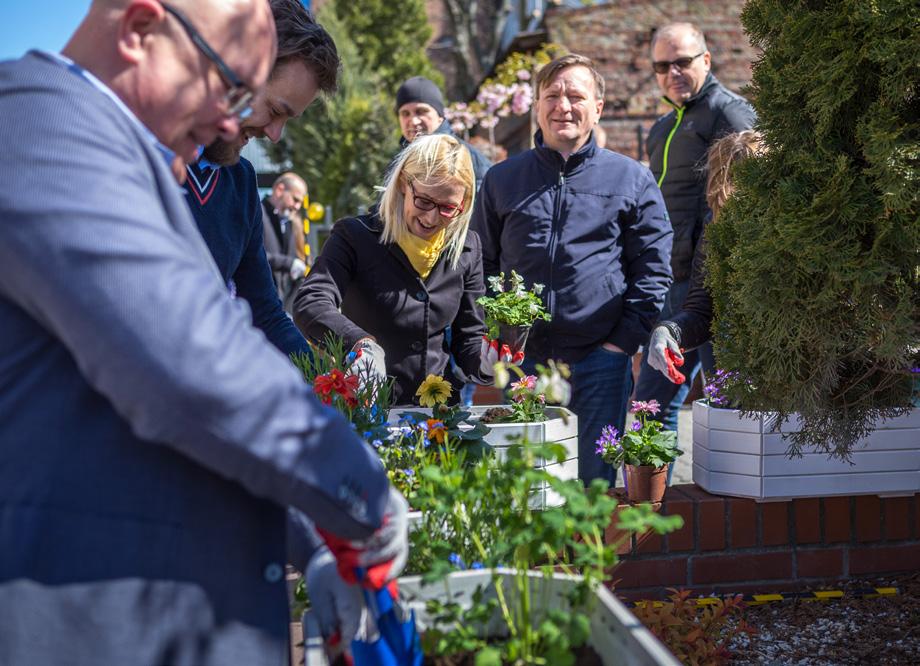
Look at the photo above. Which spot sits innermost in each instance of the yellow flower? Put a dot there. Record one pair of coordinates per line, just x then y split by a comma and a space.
433, 391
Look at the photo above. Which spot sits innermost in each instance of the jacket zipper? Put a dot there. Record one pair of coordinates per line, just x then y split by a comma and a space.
557, 209
667, 144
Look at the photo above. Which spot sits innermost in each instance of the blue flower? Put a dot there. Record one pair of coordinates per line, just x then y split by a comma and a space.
367, 434
476, 565
376, 443
456, 560
408, 471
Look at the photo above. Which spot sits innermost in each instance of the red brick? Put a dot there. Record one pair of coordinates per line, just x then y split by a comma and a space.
678, 504
836, 519
897, 518
742, 567
742, 523
820, 563
774, 523
649, 543
884, 559
711, 514
614, 534
807, 520
868, 518
649, 573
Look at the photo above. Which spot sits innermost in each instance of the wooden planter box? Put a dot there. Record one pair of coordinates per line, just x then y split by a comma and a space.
561, 426
746, 457
616, 634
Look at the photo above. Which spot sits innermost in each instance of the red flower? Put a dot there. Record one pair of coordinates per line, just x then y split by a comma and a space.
335, 381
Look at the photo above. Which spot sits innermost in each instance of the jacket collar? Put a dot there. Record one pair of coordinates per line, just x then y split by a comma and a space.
709, 83
554, 158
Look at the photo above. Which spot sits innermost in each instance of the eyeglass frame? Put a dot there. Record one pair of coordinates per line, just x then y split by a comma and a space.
241, 106
455, 211
668, 64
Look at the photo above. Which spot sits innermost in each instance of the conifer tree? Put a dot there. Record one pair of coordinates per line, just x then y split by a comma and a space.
813, 265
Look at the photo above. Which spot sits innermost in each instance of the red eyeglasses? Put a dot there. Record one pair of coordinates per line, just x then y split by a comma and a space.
449, 211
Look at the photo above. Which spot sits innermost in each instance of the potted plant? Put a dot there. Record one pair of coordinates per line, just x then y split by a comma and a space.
750, 454
512, 311
546, 604
645, 450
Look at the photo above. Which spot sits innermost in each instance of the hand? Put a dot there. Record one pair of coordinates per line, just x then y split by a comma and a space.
493, 351
339, 607
369, 362
298, 269
383, 554
664, 354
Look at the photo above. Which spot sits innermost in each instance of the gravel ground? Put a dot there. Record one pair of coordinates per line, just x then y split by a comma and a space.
884, 630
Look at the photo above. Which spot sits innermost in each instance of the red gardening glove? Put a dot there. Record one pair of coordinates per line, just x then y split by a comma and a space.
674, 361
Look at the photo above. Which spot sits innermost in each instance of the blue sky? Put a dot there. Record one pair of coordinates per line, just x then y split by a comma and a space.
46, 24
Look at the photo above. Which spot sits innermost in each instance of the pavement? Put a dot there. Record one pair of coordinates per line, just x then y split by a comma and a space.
683, 467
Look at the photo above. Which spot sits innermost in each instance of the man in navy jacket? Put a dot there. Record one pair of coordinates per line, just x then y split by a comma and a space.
591, 225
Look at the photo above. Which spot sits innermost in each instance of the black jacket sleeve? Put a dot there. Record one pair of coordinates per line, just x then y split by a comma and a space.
469, 326
691, 325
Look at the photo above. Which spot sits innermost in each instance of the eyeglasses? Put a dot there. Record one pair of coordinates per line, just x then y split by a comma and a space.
239, 96
664, 66
444, 210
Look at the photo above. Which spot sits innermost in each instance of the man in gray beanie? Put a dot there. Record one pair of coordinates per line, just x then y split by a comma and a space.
420, 109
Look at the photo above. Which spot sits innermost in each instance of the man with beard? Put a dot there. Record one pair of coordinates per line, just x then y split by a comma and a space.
221, 186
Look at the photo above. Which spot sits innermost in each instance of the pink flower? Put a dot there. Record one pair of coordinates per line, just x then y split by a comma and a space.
527, 383
642, 407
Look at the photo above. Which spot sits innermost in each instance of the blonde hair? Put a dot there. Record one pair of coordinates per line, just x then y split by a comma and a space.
723, 154
433, 160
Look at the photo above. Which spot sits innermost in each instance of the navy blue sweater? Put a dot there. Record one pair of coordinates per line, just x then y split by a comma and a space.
594, 230
226, 207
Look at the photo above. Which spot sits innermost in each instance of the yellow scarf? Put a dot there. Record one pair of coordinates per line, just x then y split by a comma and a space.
423, 254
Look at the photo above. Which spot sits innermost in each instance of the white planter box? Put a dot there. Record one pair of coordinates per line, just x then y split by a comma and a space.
561, 427
746, 457
618, 637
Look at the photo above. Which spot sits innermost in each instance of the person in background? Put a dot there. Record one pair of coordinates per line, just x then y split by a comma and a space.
390, 283
690, 326
145, 519
591, 226
221, 186
703, 111
282, 234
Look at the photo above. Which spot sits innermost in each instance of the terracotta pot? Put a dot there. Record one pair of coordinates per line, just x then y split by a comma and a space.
645, 483
513, 336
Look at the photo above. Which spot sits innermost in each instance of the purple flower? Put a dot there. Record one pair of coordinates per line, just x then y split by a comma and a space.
636, 426
608, 439
915, 370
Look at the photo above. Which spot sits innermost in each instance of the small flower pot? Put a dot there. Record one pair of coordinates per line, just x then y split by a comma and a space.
513, 336
645, 483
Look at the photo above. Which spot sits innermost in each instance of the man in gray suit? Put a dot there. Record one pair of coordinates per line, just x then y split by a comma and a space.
284, 242
152, 444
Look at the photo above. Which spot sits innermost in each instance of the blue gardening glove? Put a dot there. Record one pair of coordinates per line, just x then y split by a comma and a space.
369, 362
493, 351
339, 607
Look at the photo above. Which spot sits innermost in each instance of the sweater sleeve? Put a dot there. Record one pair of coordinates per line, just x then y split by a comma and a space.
254, 282
316, 306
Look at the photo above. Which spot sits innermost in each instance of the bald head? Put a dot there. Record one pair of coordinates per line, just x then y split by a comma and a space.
148, 57
288, 193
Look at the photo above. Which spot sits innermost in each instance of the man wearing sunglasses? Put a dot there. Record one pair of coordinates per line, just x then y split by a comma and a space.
702, 111
221, 186
151, 441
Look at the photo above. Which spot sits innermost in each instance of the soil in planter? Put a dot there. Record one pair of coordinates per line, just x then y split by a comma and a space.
584, 656
495, 415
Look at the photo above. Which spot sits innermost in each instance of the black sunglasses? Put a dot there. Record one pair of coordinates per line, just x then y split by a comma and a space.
664, 66
239, 96
444, 210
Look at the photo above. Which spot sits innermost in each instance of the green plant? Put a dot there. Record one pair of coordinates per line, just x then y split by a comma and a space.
480, 515
644, 443
813, 263
364, 400
696, 633
531, 393
514, 306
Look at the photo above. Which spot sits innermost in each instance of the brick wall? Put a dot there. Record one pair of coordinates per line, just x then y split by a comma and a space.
617, 37
737, 545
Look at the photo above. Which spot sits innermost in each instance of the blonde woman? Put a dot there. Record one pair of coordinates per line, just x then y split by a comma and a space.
391, 283
690, 327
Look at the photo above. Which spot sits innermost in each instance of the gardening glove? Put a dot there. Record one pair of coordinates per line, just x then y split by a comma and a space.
382, 555
664, 354
368, 363
339, 607
298, 269
493, 351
